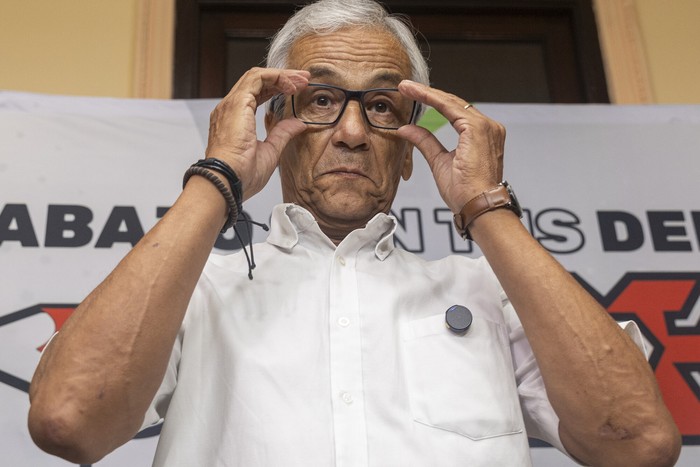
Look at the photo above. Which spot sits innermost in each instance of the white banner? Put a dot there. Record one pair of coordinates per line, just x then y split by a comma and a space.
610, 191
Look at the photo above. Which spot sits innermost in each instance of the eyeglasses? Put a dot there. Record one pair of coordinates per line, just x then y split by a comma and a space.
323, 104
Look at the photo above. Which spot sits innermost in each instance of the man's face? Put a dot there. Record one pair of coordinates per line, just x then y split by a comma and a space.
347, 172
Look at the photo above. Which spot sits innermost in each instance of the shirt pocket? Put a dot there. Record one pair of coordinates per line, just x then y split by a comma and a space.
461, 383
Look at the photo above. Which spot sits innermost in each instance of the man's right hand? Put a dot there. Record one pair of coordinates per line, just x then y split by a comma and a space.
232, 129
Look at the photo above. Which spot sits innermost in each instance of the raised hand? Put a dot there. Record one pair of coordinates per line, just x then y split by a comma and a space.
476, 164
232, 130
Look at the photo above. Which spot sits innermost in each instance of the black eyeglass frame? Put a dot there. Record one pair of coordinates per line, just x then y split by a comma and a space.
359, 97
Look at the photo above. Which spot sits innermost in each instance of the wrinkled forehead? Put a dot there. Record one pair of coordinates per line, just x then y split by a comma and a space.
353, 58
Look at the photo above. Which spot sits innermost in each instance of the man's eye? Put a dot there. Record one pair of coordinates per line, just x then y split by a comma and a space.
379, 107
322, 101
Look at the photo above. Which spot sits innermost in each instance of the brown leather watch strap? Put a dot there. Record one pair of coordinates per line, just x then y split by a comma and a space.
494, 198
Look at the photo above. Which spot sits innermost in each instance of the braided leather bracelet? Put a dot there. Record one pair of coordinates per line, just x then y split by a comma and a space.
228, 196
224, 169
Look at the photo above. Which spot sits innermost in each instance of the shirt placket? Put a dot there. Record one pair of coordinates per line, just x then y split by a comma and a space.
347, 394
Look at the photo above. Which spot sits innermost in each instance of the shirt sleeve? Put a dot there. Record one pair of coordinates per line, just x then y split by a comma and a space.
202, 296
541, 421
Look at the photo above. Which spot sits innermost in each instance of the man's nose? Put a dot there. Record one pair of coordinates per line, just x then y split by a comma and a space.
352, 130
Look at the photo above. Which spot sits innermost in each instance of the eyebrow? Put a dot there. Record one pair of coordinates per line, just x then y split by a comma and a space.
322, 72
393, 78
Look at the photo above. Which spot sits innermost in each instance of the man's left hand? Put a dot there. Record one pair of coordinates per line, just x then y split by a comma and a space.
476, 164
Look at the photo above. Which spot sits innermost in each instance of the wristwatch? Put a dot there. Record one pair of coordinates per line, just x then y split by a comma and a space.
501, 196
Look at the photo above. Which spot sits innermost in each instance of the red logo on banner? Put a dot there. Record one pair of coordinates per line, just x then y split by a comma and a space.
667, 310
59, 315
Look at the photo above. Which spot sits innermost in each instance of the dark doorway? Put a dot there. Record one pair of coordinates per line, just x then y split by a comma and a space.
538, 51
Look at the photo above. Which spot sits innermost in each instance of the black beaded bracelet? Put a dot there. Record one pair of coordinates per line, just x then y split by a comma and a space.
233, 206
224, 169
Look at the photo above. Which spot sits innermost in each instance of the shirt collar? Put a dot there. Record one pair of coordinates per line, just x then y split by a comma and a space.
291, 223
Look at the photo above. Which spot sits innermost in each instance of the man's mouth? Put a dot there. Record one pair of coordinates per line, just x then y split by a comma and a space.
346, 172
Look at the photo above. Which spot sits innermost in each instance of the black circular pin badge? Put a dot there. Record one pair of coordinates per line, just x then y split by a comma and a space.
458, 318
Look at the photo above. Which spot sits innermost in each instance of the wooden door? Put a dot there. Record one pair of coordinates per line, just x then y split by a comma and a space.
539, 51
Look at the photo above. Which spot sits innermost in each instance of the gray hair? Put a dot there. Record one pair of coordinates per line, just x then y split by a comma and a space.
332, 15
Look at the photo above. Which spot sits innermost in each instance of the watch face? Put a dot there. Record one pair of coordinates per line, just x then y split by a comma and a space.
514, 203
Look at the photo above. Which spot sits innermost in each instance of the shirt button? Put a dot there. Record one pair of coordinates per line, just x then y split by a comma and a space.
344, 321
347, 397
341, 260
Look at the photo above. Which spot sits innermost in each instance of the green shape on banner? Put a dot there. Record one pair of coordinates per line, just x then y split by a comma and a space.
432, 120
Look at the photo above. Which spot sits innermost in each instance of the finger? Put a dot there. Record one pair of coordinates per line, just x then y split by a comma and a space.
449, 105
256, 86
424, 140
286, 82
263, 83
283, 132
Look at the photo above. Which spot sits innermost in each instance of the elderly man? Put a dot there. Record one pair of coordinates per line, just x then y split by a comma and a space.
338, 352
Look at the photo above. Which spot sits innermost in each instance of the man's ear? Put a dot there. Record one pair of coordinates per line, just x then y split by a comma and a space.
407, 163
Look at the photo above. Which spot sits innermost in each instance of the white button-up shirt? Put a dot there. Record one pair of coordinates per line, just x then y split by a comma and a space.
340, 356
